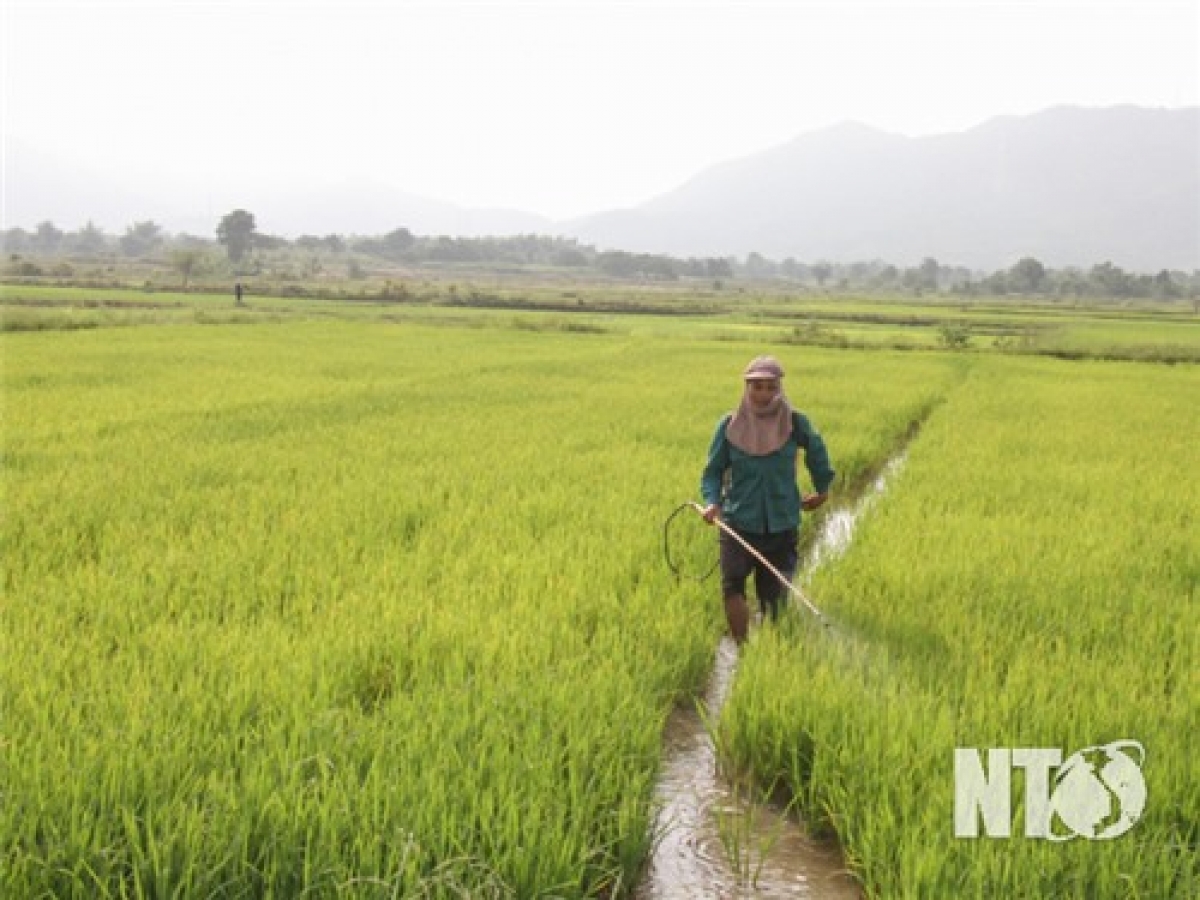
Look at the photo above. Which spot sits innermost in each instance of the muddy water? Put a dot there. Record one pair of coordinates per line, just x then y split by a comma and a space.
714, 839
837, 528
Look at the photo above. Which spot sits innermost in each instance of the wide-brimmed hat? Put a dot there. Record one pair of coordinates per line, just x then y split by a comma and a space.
763, 367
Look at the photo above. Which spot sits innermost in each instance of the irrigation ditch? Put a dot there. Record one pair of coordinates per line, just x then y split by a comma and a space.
716, 836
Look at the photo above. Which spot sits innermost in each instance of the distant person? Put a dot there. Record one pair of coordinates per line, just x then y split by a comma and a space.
750, 484
237, 293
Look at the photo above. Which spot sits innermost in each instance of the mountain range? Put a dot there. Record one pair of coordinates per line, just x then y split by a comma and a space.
1068, 185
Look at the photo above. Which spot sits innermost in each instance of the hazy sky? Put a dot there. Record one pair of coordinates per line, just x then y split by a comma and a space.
559, 108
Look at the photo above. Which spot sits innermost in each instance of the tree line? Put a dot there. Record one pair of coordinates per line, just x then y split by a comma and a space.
239, 248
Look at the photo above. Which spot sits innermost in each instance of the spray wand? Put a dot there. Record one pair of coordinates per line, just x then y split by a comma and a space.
770, 568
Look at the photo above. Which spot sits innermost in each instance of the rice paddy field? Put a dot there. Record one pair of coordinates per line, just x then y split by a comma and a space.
366, 607
1148, 331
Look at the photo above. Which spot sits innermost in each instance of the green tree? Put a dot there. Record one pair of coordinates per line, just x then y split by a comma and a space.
887, 277
1110, 280
821, 271
718, 267
928, 273
89, 239
395, 243
758, 266
16, 241
1027, 275
48, 237
186, 261
236, 232
141, 238
1164, 285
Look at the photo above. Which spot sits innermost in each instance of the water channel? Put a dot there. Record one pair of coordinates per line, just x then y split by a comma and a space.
712, 838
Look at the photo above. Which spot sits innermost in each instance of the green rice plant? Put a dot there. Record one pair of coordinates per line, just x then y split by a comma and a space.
1028, 581
342, 609
745, 837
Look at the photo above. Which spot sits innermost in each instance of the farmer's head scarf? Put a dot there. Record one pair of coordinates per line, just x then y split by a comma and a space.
761, 431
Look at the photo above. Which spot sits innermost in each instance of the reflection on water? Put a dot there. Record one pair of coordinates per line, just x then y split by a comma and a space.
838, 526
702, 818
712, 840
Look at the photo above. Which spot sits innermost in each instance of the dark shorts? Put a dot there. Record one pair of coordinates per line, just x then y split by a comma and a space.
780, 549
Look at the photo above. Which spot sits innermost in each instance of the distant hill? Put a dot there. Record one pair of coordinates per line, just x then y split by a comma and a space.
364, 207
40, 186
1069, 186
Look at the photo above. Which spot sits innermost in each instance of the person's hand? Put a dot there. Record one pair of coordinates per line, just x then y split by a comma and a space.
711, 513
812, 501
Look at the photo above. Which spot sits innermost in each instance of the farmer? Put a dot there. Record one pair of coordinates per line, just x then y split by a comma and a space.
750, 485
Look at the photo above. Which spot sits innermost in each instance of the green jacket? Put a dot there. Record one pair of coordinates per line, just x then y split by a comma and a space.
759, 493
